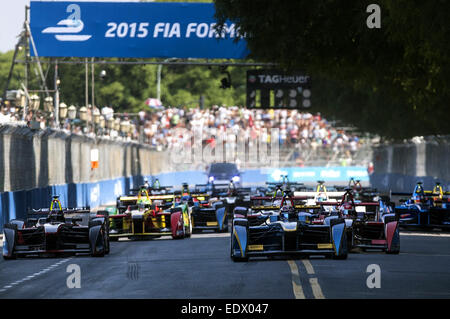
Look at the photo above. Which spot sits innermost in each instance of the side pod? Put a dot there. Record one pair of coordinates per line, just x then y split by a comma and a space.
239, 240
393, 237
339, 238
222, 219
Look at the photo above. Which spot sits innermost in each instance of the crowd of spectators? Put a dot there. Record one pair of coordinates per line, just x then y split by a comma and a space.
165, 128
296, 129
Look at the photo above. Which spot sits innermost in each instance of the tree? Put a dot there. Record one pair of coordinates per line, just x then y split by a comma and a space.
394, 81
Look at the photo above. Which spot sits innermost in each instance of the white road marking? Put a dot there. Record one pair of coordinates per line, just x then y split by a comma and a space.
5, 288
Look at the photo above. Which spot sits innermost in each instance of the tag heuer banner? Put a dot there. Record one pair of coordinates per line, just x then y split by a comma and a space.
131, 30
278, 90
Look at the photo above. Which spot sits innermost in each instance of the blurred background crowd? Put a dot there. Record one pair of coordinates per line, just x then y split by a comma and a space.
295, 128
165, 128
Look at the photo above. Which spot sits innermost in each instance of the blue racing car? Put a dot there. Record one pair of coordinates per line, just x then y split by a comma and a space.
424, 209
284, 230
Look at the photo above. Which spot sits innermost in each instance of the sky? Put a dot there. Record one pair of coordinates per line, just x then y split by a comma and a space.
12, 16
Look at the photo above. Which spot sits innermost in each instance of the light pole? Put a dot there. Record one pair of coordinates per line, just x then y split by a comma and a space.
57, 81
158, 78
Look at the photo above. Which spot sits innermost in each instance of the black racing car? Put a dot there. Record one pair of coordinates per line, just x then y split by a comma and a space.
56, 230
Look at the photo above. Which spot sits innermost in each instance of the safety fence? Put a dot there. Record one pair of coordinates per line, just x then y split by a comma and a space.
36, 164
397, 167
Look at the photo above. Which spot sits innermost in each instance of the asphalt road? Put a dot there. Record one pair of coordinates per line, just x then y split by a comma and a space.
200, 267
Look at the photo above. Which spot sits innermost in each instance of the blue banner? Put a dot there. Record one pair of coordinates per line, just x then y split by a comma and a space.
131, 30
312, 174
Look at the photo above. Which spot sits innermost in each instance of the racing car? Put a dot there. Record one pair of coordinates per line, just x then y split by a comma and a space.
56, 230
151, 217
370, 225
424, 209
214, 217
160, 193
274, 188
284, 230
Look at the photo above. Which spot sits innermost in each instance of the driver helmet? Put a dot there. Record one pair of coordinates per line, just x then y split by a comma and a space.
321, 197
186, 198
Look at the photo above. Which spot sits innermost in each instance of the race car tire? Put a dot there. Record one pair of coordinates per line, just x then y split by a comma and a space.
100, 240
239, 259
182, 227
224, 229
350, 243
106, 225
188, 235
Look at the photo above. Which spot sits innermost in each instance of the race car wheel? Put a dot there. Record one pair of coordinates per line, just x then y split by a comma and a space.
224, 230
350, 236
101, 242
239, 259
107, 247
189, 232
182, 228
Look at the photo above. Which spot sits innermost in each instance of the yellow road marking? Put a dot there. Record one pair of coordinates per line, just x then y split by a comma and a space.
296, 285
317, 291
308, 266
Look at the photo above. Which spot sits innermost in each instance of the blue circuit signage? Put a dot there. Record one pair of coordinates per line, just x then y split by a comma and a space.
312, 174
132, 30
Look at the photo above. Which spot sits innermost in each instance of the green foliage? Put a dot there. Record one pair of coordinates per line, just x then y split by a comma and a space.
5, 65
394, 81
126, 87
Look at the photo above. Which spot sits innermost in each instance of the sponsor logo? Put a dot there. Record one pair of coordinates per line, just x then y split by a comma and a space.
95, 194
68, 29
330, 173
277, 174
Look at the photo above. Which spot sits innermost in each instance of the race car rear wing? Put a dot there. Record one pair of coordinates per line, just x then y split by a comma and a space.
152, 197
46, 211
427, 194
275, 207
313, 194
354, 204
